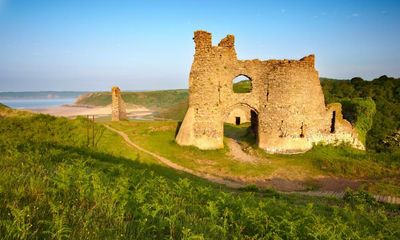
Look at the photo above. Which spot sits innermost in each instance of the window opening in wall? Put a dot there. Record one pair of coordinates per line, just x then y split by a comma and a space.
242, 84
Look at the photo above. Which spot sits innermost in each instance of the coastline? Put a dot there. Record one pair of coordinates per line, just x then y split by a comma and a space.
82, 110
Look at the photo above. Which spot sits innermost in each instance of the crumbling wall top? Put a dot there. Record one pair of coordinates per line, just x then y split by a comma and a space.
115, 90
228, 41
202, 39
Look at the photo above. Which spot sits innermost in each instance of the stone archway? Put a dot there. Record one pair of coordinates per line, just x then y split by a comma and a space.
251, 117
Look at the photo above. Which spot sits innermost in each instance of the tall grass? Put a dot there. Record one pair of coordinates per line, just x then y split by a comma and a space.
52, 186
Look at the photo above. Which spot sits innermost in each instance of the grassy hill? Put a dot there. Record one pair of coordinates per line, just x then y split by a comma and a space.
54, 185
243, 86
150, 99
6, 111
3, 106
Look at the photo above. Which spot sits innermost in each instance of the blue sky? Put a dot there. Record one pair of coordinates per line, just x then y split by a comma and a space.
144, 45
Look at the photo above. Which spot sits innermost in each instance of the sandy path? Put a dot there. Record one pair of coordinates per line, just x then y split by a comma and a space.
235, 184
236, 151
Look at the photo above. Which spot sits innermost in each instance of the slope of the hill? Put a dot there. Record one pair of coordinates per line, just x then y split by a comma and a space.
155, 100
53, 186
3, 106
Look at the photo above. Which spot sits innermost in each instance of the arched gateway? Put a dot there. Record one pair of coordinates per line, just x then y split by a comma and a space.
285, 99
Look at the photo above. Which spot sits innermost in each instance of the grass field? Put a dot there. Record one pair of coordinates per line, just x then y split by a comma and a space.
379, 172
54, 186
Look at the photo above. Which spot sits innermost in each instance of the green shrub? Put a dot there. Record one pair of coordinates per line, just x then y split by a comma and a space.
360, 112
359, 198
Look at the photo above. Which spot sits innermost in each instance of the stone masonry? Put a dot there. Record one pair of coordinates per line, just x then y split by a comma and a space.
286, 103
240, 112
118, 109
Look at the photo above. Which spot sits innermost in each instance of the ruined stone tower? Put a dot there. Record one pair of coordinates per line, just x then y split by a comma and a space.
118, 109
286, 103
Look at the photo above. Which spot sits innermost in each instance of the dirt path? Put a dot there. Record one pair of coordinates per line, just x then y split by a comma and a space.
169, 163
237, 153
237, 184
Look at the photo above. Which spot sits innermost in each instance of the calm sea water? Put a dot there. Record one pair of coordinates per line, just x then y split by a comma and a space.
36, 103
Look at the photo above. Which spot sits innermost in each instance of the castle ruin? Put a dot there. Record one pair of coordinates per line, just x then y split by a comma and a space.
118, 108
286, 104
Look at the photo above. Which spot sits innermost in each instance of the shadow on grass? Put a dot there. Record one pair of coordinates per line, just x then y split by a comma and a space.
178, 127
104, 161
242, 133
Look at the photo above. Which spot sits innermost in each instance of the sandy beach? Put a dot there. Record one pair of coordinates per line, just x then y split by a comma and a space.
76, 110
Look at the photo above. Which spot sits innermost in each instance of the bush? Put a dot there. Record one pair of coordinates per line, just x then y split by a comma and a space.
360, 112
359, 198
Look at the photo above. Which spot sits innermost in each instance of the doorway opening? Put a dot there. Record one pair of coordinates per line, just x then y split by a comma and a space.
241, 124
237, 121
333, 122
254, 123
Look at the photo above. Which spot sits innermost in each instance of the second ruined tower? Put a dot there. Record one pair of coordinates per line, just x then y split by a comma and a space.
118, 108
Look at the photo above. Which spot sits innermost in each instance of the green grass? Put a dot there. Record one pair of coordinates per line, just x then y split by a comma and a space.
243, 86
343, 161
53, 186
159, 137
7, 111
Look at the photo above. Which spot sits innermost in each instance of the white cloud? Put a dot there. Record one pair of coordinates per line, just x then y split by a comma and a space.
355, 15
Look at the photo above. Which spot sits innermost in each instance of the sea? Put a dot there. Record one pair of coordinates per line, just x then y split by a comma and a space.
36, 103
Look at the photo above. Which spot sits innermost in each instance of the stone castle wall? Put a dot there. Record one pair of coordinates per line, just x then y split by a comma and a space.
286, 97
240, 112
118, 108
